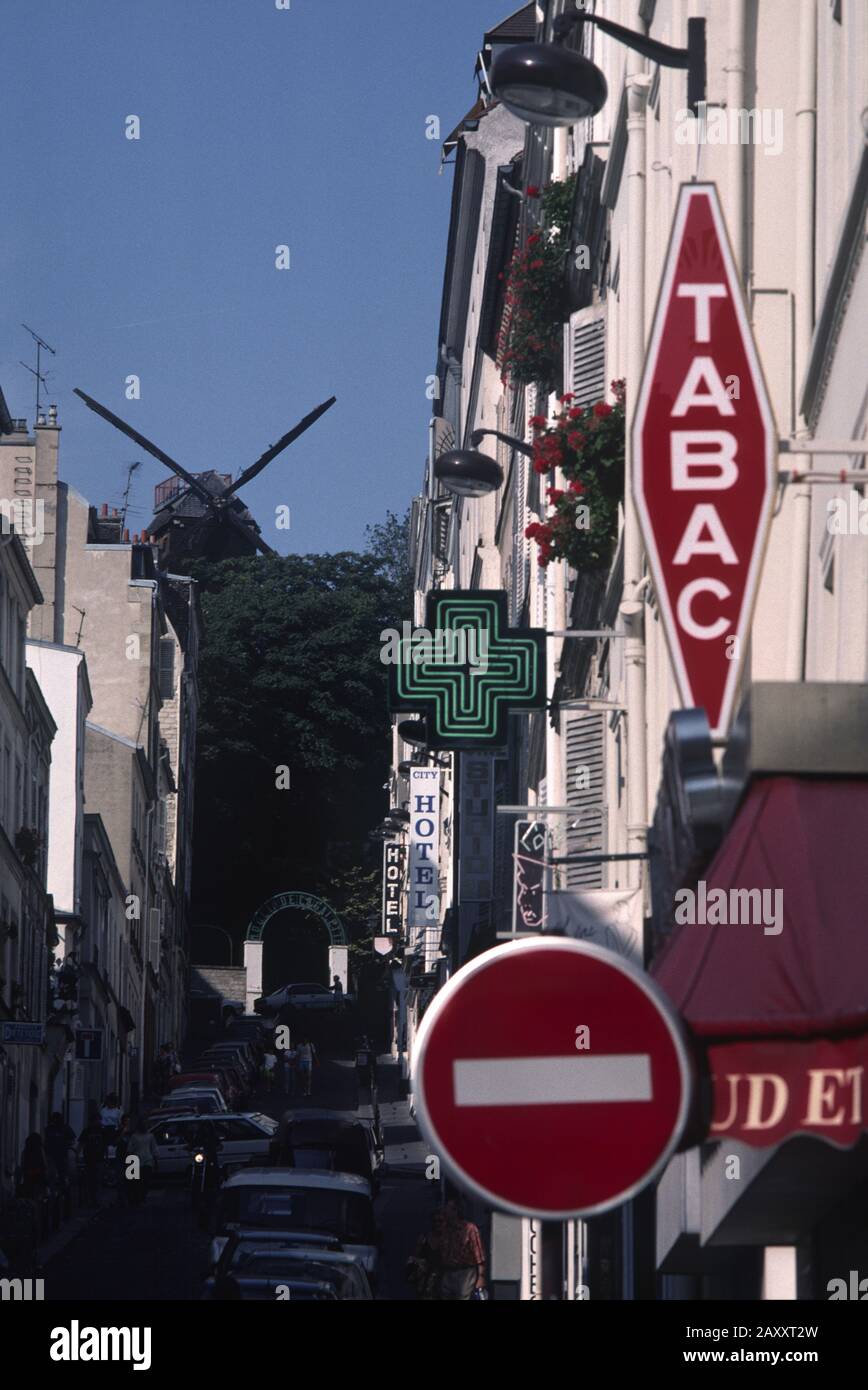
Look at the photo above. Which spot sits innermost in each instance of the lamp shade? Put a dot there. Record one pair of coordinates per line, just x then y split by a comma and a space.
548, 85
468, 473
413, 731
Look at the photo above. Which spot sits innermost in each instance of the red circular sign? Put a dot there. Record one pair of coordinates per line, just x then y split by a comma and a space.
551, 1078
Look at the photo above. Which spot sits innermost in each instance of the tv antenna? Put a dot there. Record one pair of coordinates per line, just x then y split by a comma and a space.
37, 370
131, 468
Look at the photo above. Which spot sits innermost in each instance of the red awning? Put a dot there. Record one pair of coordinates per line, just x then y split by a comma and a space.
808, 839
781, 1000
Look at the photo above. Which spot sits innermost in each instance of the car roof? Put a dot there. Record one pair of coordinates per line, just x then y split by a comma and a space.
296, 1251
217, 1115
298, 1177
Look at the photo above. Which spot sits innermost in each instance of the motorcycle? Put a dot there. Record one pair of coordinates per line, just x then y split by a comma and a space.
204, 1182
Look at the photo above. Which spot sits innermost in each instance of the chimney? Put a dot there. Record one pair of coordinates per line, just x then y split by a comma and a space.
126, 537
104, 509
52, 416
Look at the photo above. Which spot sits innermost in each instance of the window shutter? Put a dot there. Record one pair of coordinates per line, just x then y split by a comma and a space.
585, 356
167, 668
586, 747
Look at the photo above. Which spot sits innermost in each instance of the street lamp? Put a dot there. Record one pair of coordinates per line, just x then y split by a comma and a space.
467, 473
550, 85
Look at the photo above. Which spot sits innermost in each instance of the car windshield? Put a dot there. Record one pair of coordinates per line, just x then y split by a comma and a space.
263, 1121
344, 1214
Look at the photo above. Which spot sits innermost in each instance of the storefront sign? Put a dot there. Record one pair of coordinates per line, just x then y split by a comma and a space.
424, 874
704, 458
765, 1092
394, 856
529, 855
31, 1034
467, 705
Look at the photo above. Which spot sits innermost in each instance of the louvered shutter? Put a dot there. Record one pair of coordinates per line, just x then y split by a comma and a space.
586, 746
585, 356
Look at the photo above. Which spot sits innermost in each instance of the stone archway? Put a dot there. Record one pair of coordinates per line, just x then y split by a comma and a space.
304, 902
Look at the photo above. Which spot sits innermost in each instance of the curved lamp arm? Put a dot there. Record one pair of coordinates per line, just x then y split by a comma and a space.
692, 57
518, 444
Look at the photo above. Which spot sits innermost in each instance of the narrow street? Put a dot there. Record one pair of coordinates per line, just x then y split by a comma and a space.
158, 1252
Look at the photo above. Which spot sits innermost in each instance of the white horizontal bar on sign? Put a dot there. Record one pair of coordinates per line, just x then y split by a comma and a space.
552, 1080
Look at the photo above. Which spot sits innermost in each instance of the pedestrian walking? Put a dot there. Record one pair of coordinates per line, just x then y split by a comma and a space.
141, 1146
122, 1140
306, 1058
92, 1146
19, 1233
269, 1064
36, 1177
59, 1145
337, 987
110, 1112
288, 1068
455, 1248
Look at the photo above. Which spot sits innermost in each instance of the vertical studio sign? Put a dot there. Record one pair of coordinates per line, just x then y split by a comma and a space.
424, 885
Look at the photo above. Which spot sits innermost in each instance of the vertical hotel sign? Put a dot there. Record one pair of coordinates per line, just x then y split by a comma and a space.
423, 907
393, 885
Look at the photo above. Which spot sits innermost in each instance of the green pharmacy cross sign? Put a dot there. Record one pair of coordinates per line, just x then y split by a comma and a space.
467, 669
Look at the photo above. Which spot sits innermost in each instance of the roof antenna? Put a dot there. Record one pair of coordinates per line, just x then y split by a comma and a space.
130, 471
37, 370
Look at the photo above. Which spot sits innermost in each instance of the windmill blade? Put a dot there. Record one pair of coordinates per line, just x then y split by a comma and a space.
146, 444
278, 448
228, 515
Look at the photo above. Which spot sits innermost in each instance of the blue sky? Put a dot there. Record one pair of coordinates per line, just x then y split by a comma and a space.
155, 257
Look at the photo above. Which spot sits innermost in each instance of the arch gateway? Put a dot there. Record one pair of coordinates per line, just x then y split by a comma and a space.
304, 902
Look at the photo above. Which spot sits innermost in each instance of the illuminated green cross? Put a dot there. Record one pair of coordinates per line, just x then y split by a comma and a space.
466, 705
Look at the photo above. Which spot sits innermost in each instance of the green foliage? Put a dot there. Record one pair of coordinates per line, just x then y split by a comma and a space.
289, 675
587, 445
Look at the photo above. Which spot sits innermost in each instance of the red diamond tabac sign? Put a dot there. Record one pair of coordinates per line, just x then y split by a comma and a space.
704, 458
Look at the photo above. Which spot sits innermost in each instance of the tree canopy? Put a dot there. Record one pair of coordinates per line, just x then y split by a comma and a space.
290, 678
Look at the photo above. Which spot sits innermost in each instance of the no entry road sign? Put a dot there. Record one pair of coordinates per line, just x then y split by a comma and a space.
704, 458
551, 1078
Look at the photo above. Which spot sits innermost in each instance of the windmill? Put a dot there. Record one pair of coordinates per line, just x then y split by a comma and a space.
200, 516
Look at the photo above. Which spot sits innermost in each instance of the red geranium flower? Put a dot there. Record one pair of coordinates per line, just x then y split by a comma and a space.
538, 422
576, 413
537, 265
601, 410
532, 190
575, 440
533, 239
577, 487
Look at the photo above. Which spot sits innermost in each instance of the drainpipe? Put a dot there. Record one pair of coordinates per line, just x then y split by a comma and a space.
632, 607
806, 120
735, 101
556, 597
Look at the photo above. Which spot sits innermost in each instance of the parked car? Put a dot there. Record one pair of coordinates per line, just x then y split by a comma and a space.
236, 1054
185, 1093
314, 997
328, 1139
191, 1105
207, 1080
243, 1139
260, 1268
300, 1201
